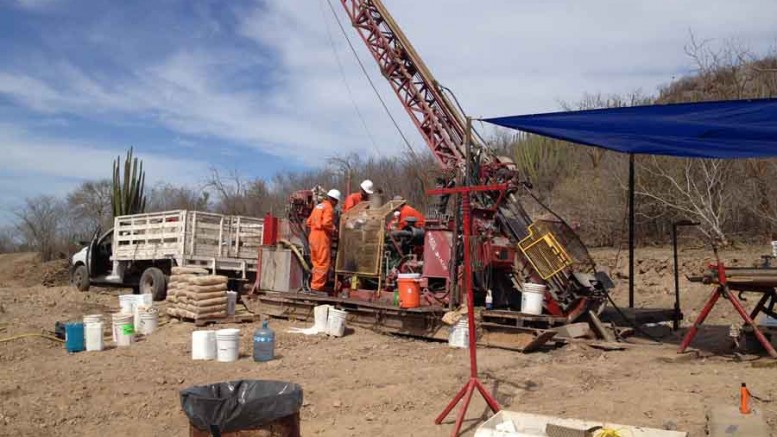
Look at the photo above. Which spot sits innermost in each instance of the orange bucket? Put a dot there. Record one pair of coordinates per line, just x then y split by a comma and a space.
409, 287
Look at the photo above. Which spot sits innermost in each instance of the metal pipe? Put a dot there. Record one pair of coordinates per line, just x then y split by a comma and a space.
631, 230
676, 317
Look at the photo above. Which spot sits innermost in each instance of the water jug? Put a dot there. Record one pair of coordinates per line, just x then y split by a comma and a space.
74, 337
264, 343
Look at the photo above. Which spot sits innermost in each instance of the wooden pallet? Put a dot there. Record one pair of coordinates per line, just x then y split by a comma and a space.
240, 317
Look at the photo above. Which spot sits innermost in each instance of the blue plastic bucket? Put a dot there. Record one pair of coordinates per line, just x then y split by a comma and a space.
74, 337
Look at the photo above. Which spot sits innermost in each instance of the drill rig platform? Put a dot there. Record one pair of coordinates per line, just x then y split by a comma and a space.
511, 251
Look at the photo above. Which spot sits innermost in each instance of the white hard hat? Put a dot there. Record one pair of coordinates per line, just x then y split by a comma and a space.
334, 194
367, 186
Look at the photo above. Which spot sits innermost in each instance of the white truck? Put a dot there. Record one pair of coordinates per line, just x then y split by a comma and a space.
141, 249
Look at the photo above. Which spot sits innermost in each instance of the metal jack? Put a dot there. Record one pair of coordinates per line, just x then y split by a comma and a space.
675, 225
473, 382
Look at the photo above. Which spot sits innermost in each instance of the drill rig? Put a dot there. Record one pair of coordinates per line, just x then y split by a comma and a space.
510, 248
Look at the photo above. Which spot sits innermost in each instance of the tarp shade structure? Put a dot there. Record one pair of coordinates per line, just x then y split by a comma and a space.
726, 129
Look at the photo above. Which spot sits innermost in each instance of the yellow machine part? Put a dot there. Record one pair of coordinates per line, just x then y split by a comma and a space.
361, 240
543, 251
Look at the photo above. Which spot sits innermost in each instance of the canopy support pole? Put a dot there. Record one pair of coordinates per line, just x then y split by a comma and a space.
631, 230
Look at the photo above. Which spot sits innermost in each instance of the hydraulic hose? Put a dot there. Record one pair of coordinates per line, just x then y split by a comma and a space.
32, 334
297, 253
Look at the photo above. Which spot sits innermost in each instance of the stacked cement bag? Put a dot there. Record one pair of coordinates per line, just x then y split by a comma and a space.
195, 295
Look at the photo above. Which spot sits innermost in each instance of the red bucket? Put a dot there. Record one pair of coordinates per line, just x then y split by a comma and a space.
409, 287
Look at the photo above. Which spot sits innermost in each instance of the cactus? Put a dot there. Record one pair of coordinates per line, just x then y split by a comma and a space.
128, 196
539, 157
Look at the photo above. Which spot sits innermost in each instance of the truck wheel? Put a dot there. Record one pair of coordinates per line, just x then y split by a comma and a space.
80, 278
153, 281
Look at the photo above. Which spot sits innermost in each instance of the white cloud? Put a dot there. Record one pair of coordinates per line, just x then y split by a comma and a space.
34, 165
499, 56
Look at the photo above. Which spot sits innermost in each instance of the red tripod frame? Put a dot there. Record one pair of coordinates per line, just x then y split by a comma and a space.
722, 290
473, 382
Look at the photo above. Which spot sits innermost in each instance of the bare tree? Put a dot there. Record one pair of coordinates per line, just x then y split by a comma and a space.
40, 224
699, 189
9, 241
166, 197
238, 195
89, 206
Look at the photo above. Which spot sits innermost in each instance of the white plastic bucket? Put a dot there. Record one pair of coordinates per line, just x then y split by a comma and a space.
123, 329
146, 299
93, 332
532, 297
125, 334
127, 303
321, 314
93, 318
335, 322
204, 345
139, 309
227, 345
118, 319
149, 321
774, 248
459, 334
231, 303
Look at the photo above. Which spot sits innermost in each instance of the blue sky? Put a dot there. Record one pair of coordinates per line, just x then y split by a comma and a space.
255, 86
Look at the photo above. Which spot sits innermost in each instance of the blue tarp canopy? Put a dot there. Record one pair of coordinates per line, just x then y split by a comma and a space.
727, 129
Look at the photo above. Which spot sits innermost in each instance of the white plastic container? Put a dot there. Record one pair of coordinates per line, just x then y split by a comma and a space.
146, 299
532, 298
125, 331
93, 318
149, 321
321, 314
127, 303
139, 309
514, 424
204, 345
335, 322
93, 333
117, 320
458, 336
774, 248
231, 303
227, 345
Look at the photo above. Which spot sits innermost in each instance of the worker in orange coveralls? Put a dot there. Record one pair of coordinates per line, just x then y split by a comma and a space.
401, 215
365, 189
322, 226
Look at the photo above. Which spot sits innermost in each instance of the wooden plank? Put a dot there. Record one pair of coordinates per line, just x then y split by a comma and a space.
521, 316
600, 328
519, 341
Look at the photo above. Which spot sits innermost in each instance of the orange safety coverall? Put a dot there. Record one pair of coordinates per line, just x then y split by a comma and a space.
408, 211
322, 225
352, 200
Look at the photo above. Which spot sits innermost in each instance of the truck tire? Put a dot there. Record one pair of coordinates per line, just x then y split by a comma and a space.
79, 277
153, 281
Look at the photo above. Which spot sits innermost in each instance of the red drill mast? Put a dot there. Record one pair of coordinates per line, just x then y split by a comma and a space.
441, 125
563, 262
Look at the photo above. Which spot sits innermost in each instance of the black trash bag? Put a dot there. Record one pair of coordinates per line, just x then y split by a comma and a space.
240, 405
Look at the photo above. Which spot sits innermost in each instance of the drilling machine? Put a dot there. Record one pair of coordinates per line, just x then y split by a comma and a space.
510, 248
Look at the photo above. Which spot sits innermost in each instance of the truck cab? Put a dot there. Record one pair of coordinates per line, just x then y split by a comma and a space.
94, 265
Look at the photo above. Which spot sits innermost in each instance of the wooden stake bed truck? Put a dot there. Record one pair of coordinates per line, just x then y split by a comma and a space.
141, 249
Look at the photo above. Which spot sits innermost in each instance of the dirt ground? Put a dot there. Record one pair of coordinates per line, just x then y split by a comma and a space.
364, 384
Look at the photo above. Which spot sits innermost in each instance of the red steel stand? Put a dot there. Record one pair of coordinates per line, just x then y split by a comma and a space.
473, 383
722, 291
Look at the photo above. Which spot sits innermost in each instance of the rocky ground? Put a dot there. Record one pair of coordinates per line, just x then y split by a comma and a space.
364, 384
